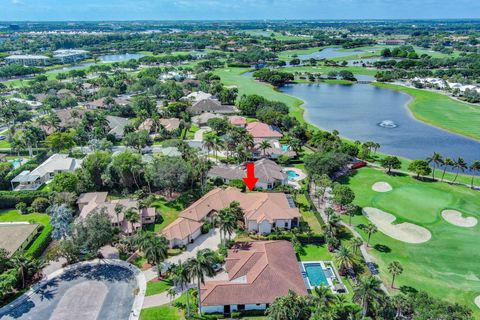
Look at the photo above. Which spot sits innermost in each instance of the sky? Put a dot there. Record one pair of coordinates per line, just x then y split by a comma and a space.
75, 10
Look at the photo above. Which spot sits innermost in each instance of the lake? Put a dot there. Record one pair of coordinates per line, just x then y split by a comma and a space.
357, 110
120, 57
328, 53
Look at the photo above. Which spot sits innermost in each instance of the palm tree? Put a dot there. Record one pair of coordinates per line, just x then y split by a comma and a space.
26, 266
142, 240
351, 209
201, 266
355, 244
264, 145
172, 294
217, 145
119, 209
132, 216
344, 259
437, 160
460, 164
370, 229
156, 252
323, 297
395, 269
475, 166
209, 142
447, 163
366, 292
182, 278
227, 223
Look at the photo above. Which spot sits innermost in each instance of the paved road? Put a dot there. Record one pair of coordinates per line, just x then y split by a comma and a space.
101, 291
200, 132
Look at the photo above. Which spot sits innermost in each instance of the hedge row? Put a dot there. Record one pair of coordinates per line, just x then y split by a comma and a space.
41, 242
9, 199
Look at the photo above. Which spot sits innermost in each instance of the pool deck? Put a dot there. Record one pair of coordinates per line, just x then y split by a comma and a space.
331, 267
300, 176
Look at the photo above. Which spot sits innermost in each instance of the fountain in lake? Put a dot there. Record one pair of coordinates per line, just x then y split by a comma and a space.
388, 124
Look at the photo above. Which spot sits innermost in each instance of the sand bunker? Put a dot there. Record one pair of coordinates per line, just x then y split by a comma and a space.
477, 301
455, 217
381, 187
406, 232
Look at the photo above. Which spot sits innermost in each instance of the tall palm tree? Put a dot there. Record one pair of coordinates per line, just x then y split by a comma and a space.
217, 145
447, 163
351, 209
355, 244
201, 266
208, 142
227, 222
182, 278
370, 229
395, 269
475, 166
172, 293
119, 209
142, 240
264, 145
26, 266
436, 159
156, 252
344, 259
132, 216
366, 292
460, 164
323, 297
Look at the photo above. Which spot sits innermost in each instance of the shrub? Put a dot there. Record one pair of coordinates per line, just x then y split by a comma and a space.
41, 242
22, 207
40, 204
9, 199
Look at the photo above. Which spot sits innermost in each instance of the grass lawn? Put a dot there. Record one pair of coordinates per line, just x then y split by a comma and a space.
169, 212
190, 134
448, 265
441, 111
156, 287
308, 215
4, 144
161, 313
40, 218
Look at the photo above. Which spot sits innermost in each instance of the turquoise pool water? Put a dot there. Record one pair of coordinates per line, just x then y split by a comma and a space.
291, 175
16, 163
285, 147
315, 274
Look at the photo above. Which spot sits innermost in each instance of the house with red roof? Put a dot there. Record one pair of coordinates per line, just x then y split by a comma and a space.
262, 131
258, 273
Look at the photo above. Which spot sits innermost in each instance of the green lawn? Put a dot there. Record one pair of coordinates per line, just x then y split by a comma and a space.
308, 215
156, 287
441, 111
40, 218
191, 132
169, 212
161, 313
448, 265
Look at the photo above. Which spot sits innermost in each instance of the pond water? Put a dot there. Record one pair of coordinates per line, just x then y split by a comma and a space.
71, 67
368, 61
120, 57
367, 113
328, 53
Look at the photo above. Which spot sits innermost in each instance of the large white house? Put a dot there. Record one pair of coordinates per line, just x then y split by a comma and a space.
44, 173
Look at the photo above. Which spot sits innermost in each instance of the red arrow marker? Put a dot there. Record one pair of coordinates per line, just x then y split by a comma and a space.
250, 180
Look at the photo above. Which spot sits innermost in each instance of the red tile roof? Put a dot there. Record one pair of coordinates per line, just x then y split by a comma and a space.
258, 272
262, 130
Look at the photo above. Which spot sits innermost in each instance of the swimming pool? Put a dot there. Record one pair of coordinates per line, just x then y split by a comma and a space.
16, 163
285, 147
316, 274
292, 175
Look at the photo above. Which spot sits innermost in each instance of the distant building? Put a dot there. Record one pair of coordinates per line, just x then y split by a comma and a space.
28, 60
210, 105
69, 55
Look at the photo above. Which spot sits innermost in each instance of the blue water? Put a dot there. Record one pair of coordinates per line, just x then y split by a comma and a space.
120, 57
356, 111
16, 163
291, 175
315, 274
285, 147
328, 53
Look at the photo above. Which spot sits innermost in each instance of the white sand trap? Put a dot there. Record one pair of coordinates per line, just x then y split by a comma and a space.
477, 301
406, 232
455, 217
381, 187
